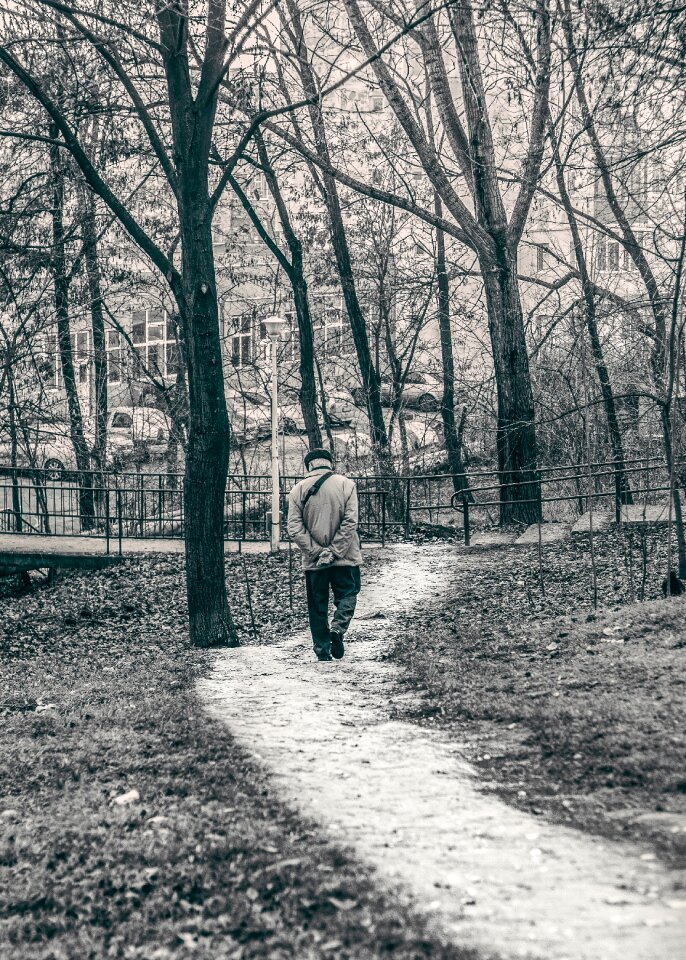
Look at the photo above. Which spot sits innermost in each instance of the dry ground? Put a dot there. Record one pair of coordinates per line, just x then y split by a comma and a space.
573, 713
97, 701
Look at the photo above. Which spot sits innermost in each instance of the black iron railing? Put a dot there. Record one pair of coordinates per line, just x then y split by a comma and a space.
151, 505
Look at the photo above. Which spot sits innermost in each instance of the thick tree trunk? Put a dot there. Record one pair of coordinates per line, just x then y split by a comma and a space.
207, 458
61, 291
453, 441
516, 434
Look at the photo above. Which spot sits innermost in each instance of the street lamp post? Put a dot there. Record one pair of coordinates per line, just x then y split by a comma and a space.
274, 326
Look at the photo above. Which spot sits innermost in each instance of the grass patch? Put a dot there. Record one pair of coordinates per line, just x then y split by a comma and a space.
202, 861
572, 714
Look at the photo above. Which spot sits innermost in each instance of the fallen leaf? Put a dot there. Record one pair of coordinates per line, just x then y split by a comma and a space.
131, 796
341, 904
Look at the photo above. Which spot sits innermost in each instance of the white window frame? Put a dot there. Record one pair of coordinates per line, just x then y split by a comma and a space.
158, 340
334, 330
115, 358
608, 255
241, 337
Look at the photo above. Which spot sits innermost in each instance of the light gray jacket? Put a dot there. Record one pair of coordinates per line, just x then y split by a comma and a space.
328, 520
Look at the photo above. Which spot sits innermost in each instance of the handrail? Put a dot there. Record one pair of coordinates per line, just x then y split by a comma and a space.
152, 504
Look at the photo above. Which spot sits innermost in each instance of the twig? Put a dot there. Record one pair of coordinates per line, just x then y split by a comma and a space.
540, 561
290, 574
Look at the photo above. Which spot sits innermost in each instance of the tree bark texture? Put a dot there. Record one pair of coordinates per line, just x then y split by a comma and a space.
207, 457
516, 434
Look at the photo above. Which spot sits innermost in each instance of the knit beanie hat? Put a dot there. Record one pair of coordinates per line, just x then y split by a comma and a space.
319, 453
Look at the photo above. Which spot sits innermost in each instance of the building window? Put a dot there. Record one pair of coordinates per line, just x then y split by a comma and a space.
156, 327
543, 257
639, 181
241, 340
291, 347
156, 358
333, 331
377, 104
114, 357
258, 186
151, 332
607, 255
138, 326
172, 358
82, 339
240, 221
76, 355
139, 359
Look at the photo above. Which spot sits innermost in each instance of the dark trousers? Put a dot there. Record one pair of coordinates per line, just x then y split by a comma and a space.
344, 583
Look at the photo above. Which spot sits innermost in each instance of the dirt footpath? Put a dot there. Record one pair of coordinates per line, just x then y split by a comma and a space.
406, 801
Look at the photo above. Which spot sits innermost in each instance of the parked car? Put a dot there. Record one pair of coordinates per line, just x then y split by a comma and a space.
341, 414
251, 417
133, 433
420, 392
136, 433
248, 413
43, 446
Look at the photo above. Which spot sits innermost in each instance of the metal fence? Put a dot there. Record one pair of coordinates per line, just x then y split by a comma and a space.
150, 505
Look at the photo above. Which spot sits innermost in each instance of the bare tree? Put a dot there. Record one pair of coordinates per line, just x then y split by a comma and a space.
294, 269
485, 228
664, 316
311, 87
174, 102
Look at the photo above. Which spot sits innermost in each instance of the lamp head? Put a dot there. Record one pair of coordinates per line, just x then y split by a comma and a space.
274, 326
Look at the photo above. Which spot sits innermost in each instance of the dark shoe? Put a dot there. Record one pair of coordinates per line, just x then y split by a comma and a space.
337, 648
323, 655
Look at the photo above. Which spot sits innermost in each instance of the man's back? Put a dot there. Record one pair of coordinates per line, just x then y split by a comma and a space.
328, 519
322, 520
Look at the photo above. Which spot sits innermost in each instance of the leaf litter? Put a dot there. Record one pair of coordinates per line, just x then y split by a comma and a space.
199, 858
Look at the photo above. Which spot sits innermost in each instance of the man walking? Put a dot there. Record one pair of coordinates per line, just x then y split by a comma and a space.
322, 520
